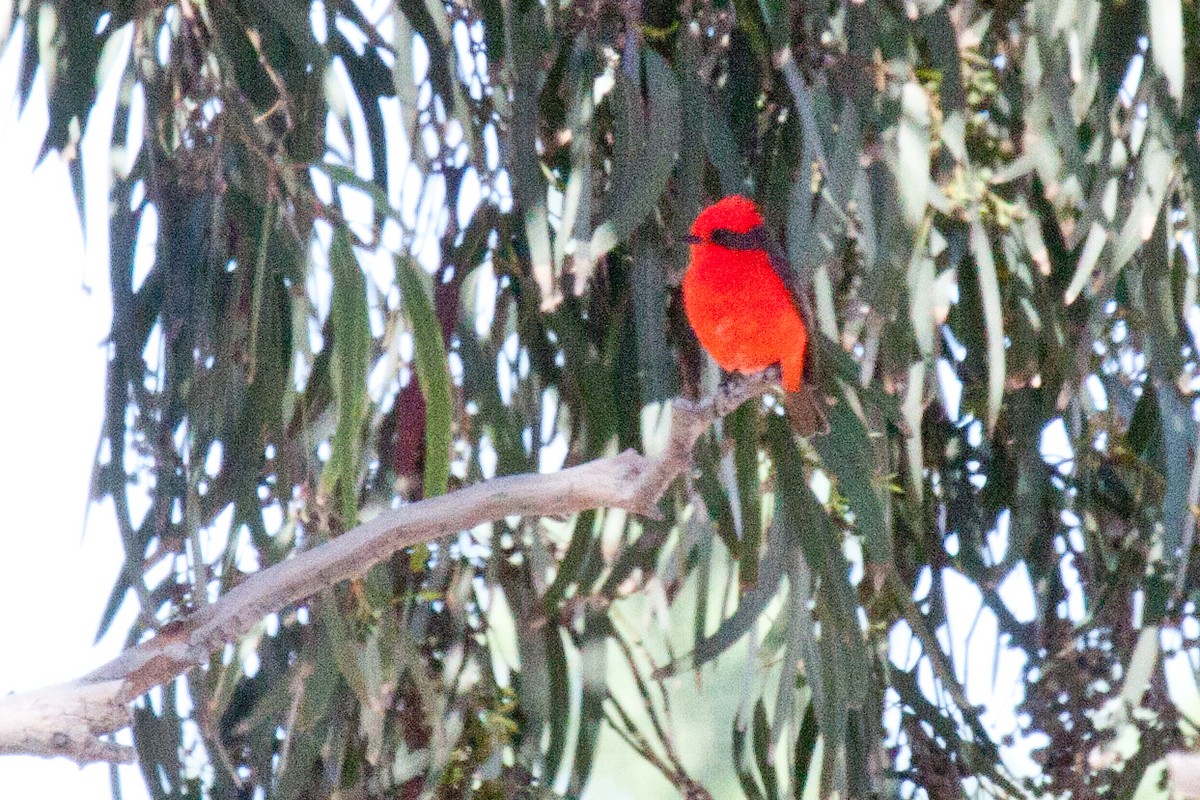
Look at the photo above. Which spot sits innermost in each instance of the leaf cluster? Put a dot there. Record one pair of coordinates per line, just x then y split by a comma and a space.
363, 253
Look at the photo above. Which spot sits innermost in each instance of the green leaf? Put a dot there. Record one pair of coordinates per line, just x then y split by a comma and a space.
292, 18
1178, 434
921, 274
721, 146
343, 175
751, 604
1145, 426
404, 80
801, 665
942, 41
647, 139
560, 698
741, 763
913, 407
848, 455
993, 316
344, 649
775, 20
1089, 257
529, 183
836, 668
433, 374
351, 356
1157, 299
762, 750
593, 672
1166, 43
1141, 667
1120, 27
912, 146
656, 368
1156, 169
69, 53
742, 427
806, 748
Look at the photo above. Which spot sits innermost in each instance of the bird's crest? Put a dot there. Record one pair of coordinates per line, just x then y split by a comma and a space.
734, 214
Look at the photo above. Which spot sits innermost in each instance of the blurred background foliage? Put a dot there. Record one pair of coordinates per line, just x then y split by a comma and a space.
366, 252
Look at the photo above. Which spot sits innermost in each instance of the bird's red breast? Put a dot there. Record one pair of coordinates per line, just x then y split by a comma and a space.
736, 301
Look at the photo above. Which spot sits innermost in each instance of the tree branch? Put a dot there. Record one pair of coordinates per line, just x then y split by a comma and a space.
1183, 776
68, 719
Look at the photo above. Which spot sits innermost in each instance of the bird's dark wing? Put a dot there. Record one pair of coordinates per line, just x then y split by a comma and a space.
800, 287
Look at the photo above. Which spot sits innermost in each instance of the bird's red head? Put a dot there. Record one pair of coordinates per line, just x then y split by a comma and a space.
735, 214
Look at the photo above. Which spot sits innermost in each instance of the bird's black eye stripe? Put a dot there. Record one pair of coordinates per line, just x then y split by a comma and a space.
753, 239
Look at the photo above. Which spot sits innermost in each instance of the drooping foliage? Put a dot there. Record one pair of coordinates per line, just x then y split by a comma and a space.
363, 253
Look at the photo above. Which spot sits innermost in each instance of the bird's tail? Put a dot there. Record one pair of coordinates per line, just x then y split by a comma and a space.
806, 412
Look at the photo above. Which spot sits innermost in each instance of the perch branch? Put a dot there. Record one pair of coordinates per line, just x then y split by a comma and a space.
1183, 776
68, 719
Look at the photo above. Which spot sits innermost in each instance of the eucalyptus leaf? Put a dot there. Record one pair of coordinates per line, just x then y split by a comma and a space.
432, 374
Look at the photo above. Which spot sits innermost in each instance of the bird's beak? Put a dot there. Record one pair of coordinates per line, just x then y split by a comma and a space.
691, 238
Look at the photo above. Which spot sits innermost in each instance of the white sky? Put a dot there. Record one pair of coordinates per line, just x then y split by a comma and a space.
53, 580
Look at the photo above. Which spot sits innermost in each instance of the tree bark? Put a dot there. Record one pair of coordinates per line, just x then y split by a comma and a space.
1183, 776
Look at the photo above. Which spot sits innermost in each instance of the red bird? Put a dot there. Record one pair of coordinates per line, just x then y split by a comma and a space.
738, 299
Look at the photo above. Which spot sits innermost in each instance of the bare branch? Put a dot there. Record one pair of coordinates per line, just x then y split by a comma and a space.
1183, 776
66, 720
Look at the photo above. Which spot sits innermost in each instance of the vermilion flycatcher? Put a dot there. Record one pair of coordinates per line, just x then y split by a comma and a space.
741, 300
